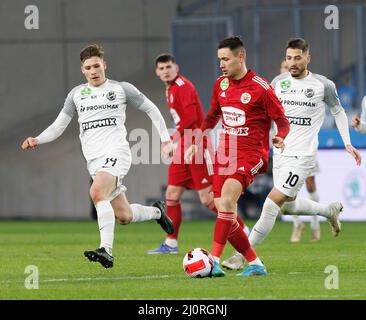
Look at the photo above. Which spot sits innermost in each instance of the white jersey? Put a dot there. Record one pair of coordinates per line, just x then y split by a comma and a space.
304, 101
101, 115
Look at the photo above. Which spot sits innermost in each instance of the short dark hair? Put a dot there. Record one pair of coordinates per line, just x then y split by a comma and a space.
164, 57
93, 50
233, 42
297, 43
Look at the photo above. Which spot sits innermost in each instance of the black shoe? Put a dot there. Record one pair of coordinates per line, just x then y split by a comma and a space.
164, 220
101, 256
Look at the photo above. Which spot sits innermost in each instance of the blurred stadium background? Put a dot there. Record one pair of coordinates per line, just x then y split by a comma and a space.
39, 67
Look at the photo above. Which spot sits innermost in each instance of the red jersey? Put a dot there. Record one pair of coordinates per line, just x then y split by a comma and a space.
246, 107
184, 106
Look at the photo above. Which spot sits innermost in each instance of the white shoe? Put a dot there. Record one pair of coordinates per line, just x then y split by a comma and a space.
335, 209
297, 232
315, 235
236, 262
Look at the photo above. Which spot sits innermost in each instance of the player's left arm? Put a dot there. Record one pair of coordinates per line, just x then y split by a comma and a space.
332, 101
276, 112
139, 101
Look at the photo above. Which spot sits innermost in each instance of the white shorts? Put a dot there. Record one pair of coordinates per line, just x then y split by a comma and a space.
316, 169
290, 173
116, 163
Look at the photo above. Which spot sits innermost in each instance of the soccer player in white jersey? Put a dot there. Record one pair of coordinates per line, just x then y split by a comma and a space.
304, 96
359, 123
298, 224
101, 108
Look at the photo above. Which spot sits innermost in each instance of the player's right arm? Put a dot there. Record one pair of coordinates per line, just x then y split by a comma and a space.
56, 128
359, 123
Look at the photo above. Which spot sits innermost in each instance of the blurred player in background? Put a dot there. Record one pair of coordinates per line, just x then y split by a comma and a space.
298, 224
101, 108
304, 96
246, 104
359, 123
187, 113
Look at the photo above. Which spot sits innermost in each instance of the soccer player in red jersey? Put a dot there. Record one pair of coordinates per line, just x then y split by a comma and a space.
246, 104
187, 112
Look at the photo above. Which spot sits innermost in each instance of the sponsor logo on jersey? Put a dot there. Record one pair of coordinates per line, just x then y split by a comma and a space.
224, 84
233, 116
108, 122
298, 103
242, 131
99, 107
299, 121
286, 84
309, 92
245, 97
111, 95
85, 92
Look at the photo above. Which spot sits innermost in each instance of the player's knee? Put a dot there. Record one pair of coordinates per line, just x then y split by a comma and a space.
96, 194
172, 195
227, 203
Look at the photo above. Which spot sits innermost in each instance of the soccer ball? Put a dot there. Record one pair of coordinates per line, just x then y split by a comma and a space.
198, 263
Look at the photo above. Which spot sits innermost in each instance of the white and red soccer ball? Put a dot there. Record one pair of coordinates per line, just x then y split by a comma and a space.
198, 263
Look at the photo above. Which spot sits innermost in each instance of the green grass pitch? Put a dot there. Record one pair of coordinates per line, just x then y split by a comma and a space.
296, 271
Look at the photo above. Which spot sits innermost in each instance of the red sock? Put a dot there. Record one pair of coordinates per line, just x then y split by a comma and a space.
240, 221
239, 240
174, 212
212, 207
223, 226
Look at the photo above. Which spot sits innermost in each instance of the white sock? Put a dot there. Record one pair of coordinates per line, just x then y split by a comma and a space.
144, 213
106, 222
305, 207
171, 242
256, 261
217, 259
314, 223
296, 220
265, 223
314, 196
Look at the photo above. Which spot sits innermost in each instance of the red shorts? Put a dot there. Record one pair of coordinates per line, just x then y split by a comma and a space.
244, 168
195, 176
